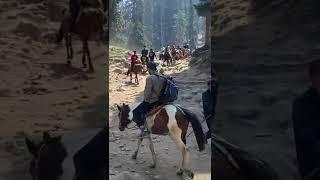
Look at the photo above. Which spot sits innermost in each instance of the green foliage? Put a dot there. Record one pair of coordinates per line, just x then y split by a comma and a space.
203, 8
136, 38
154, 23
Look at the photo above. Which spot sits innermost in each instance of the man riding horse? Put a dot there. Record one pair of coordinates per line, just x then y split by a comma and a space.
76, 5
152, 91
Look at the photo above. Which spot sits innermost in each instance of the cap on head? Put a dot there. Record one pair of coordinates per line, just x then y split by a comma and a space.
152, 66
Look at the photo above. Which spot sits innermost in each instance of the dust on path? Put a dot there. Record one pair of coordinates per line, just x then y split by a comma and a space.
192, 83
38, 91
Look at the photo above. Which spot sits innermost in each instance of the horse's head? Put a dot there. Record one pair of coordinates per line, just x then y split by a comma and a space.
48, 157
124, 120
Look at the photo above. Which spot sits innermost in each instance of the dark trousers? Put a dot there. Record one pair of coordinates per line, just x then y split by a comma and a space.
209, 124
141, 110
74, 6
91, 160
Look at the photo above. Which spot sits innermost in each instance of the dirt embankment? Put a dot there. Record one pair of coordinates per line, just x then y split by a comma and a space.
262, 66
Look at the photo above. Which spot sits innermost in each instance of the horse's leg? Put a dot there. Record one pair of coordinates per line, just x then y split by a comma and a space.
71, 48
137, 79
66, 39
84, 65
135, 154
91, 69
152, 152
175, 134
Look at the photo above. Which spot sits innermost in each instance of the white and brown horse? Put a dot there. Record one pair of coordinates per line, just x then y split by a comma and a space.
171, 120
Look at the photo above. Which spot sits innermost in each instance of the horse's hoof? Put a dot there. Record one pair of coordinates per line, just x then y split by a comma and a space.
179, 172
68, 63
152, 166
189, 173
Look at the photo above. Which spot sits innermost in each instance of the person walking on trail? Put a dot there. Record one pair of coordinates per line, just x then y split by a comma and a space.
152, 92
209, 101
306, 124
152, 55
133, 60
144, 53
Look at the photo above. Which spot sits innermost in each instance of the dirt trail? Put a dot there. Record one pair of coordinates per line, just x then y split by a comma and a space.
192, 83
38, 91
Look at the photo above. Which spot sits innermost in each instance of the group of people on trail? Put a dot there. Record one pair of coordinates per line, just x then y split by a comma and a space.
148, 55
155, 86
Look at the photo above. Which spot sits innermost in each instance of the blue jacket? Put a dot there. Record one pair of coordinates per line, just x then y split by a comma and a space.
209, 101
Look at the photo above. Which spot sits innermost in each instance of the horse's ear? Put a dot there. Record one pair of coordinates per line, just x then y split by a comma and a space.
119, 108
46, 136
31, 147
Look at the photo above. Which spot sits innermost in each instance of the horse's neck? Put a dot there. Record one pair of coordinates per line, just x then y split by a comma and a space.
132, 106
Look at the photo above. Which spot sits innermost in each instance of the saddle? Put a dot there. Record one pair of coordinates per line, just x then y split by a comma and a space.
155, 110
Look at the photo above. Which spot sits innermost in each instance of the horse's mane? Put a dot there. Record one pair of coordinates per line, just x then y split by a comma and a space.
252, 166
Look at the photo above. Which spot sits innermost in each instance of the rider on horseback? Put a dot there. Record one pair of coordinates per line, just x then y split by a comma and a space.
152, 92
144, 53
133, 59
76, 5
152, 55
74, 8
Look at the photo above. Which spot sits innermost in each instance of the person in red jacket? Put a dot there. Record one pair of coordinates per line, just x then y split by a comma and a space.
133, 60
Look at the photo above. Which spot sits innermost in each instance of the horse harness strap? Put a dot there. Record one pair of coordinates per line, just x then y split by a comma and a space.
225, 152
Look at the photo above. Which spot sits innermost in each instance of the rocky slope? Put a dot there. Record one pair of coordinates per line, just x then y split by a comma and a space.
261, 50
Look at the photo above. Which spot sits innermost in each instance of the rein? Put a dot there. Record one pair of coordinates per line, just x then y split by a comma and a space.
133, 127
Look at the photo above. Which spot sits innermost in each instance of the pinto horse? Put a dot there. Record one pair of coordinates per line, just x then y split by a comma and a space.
171, 120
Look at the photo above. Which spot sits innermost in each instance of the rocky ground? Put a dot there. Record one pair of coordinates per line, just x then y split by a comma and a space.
192, 82
38, 91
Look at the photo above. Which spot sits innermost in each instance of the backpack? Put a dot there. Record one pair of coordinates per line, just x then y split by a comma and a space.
169, 91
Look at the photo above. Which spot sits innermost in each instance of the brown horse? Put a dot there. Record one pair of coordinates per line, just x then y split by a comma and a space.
171, 120
89, 23
230, 162
137, 69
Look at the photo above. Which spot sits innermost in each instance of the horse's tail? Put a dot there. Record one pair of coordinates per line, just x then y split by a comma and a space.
249, 164
60, 34
196, 126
